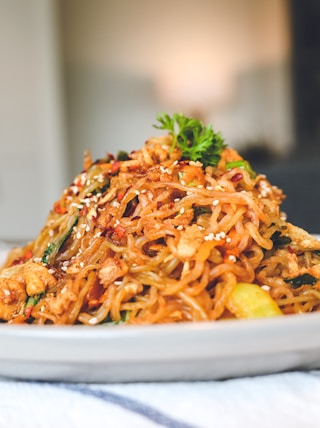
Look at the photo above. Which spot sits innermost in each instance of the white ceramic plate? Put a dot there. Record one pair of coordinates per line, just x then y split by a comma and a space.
194, 351
190, 351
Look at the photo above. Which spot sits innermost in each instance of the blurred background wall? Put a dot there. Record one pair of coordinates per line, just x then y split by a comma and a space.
93, 74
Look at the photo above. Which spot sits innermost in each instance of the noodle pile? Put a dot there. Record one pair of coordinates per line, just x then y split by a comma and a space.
154, 238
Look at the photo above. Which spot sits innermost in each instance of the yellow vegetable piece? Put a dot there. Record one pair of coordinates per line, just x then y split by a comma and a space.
251, 301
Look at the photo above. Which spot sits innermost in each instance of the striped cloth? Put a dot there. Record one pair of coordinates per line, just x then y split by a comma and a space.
280, 400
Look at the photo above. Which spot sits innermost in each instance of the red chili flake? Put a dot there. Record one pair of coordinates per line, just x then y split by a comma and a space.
120, 231
290, 249
78, 183
84, 210
58, 208
237, 177
115, 167
120, 196
28, 311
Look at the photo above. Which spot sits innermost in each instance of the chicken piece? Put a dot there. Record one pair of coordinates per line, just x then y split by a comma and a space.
183, 219
190, 241
111, 270
60, 303
302, 240
37, 278
12, 298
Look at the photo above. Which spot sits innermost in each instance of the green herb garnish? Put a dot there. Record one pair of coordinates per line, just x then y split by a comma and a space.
300, 280
196, 141
243, 164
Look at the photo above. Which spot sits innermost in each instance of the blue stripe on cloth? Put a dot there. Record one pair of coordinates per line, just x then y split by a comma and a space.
126, 403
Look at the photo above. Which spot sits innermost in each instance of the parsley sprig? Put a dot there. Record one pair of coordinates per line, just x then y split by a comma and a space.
196, 141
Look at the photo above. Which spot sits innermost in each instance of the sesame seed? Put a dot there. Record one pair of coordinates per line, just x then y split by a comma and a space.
81, 264
266, 287
64, 268
6, 292
181, 210
93, 321
137, 192
228, 239
183, 182
51, 271
180, 227
215, 202
232, 258
78, 235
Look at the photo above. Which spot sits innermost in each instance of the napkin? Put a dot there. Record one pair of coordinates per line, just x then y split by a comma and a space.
277, 400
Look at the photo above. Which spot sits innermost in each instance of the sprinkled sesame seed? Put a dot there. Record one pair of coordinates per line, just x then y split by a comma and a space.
93, 321
215, 202
51, 232
183, 182
78, 235
51, 271
180, 227
74, 189
137, 192
64, 268
6, 292
228, 240
266, 287
232, 258
209, 237
81, 264
181, 210
176, 200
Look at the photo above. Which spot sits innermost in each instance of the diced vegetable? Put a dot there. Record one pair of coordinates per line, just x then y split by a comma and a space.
251, 301
242, 164
54, 247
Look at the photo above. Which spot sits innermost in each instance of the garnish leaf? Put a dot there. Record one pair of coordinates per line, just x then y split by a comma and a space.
196, 141
300, 280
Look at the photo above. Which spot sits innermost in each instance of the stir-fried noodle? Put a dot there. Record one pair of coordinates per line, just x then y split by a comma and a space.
155, 238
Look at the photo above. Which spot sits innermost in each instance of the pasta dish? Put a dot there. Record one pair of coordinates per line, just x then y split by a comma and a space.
181, 230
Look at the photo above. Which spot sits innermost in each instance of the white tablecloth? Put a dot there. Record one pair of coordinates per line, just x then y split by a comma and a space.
280, 400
